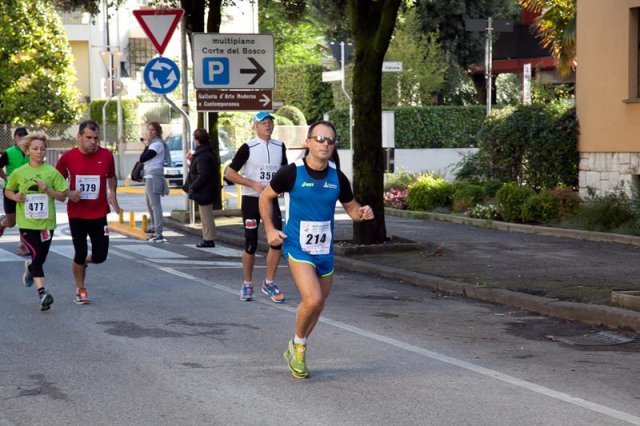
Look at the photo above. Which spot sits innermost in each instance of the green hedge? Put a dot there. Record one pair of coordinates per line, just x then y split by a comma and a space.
535, 144
129, 115
425, 127
302, 86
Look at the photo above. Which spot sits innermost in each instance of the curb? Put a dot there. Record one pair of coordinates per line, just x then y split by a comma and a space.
600, 315
578, 234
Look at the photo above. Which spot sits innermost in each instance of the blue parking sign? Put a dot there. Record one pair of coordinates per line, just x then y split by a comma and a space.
216, 70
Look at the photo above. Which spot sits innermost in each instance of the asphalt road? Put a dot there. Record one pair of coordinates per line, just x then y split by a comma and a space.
167, 341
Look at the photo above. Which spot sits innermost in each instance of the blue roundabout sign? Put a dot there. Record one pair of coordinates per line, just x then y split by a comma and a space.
161, 75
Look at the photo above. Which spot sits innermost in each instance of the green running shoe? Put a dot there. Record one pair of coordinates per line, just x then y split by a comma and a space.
295, 360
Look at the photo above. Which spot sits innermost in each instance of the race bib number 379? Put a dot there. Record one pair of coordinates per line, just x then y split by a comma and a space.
89, 186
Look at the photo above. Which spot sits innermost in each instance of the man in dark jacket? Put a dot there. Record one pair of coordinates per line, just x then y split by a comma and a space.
202, 185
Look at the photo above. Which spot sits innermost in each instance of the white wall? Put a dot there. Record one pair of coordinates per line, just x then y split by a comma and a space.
440, 161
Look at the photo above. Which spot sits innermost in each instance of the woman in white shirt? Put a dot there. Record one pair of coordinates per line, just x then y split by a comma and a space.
155, 186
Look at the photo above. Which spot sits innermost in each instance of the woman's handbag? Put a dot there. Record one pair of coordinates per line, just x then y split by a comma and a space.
138, 172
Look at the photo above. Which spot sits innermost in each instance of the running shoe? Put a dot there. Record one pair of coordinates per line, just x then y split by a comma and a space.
246, 293
272, 291
206, 243
45, 301
295, 360
1, 227
27, 278
22, 250
157, 239
150, 231
81, 297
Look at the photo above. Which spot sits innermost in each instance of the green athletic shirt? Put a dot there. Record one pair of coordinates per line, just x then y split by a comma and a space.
15, 159
30, 211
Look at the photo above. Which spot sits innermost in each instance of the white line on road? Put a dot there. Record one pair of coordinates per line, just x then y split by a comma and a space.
561, 396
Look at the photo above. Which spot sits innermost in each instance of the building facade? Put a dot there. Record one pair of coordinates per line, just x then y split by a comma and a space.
608, 96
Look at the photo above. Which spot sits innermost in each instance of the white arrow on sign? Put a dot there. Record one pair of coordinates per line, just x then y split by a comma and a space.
265, 100
159, 66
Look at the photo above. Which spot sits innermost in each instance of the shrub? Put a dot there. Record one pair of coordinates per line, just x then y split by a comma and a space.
532, 144
130, 118
606, 213
282, 121
466, 195
293, 114
492, 187
400, 180
237, 125
541, 208
428, 193
568, 199
510, 199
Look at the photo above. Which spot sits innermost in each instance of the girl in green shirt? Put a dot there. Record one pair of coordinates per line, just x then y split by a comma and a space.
34, 187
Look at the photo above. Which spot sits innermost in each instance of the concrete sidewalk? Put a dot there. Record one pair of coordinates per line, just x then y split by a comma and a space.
562, 273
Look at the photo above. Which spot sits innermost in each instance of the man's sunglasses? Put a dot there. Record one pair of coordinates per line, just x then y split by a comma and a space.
323, 139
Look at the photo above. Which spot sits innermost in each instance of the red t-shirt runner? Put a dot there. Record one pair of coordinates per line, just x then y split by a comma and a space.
88, 174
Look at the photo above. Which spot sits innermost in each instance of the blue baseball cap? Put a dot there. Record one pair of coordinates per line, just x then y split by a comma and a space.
262, 116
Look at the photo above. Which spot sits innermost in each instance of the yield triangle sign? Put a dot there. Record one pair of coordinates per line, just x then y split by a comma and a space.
159, 25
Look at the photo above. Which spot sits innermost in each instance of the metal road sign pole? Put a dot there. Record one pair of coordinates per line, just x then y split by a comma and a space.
186, 134
344, 90
488, 62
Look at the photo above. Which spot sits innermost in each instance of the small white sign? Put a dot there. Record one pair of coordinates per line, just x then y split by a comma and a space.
329, 76
526, 84
391, 66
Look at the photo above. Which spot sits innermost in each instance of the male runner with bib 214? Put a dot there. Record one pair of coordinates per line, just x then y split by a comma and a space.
313, 184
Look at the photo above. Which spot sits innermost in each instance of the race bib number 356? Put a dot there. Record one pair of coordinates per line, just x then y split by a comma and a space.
36, 206
315, 237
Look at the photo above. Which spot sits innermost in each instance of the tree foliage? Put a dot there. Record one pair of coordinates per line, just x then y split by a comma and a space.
36, 74
556, 28
424, 64
297, 38
90, 6
447, 17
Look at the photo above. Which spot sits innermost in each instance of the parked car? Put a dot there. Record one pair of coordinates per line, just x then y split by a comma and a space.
173, 173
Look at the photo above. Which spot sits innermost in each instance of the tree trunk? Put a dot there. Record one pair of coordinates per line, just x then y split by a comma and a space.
372, 23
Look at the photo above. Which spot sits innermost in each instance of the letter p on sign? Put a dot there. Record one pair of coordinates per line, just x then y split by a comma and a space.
216, 70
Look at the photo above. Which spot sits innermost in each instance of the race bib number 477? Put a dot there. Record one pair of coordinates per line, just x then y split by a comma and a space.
36, 206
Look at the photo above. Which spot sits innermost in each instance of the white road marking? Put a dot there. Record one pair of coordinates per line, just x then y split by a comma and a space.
196, 262
150, 251
66, 250
221, 250
7, 256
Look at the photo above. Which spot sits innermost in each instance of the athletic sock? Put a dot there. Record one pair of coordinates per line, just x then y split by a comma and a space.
250, 283
41, 291
300, 340
268, 283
